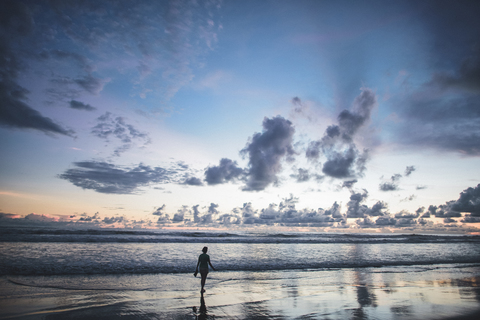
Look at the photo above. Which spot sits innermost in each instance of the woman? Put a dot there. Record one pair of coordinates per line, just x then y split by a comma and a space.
203, 262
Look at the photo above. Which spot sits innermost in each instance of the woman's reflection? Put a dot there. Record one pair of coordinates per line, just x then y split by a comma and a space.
203, 310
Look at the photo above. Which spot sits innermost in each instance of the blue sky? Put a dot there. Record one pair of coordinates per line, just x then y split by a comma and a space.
335, 115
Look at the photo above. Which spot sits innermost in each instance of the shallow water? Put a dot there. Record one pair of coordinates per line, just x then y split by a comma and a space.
47, 258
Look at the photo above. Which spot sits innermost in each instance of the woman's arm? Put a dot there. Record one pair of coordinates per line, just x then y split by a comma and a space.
211, 264
196, 269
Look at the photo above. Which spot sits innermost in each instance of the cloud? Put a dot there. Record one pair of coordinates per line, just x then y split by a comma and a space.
354, 207
91, 84
469, 201
104, 177
74, 104
113, 220
285, 213
193, 181
344, 160
349, 183
409, 170
443, 113
4, 215
466, 77
304, 175
163, 218
159, 211
15, 113
109, 125
391, 185
226, 171
266, 151
17, 24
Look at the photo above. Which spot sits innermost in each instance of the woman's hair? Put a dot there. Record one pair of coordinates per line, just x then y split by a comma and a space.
205, 249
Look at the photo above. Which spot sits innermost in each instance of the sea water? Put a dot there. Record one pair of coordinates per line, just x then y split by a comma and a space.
69, 252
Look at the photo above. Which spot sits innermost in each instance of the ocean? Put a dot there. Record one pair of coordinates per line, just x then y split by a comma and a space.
253, 266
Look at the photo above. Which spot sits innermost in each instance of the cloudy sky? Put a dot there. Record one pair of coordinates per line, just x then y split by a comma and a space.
326, 114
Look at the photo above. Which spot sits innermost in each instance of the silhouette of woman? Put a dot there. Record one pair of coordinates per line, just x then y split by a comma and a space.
203, 262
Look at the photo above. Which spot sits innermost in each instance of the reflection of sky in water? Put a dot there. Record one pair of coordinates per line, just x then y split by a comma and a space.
337, 294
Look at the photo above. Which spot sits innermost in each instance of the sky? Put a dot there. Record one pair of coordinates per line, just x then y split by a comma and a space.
328, 115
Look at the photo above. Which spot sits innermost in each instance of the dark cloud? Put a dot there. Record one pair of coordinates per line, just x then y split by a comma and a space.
406, 215
466, 77
86, 218
344, 160
209, 216
470, 219
14, 111
159, 211
421, 187
196, 214
349, 183
378, 209
91, 84
104, 177
385, 221
193, 181
163, 217
409, 198
303, 175
409, 170
226, 171
4, 215
180, 215
354, 207
113, 220
74, 104
266, 151
444, 114
391, 185
469, 201
111, 126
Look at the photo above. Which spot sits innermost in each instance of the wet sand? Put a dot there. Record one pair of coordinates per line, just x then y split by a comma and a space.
372, 293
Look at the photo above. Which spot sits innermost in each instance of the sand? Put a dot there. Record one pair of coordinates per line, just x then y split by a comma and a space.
373, 293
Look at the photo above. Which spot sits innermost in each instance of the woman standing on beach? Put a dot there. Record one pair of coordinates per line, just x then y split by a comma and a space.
203, 262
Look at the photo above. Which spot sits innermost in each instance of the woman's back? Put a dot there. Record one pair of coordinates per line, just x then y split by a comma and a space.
204, 258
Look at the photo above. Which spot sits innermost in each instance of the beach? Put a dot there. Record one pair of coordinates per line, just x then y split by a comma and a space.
115, 274
366, 293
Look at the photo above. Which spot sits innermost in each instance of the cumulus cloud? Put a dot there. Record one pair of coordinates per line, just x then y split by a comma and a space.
159, 211
111, 126
409, 170
392, 184
193, 181
266, 150
74, 104
286, 213
469, 201
344, 160
105, 177
226, 171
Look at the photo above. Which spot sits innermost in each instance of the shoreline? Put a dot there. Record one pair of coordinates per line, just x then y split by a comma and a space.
363, 293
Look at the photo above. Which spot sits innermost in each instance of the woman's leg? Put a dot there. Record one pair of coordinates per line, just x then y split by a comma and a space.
203, 273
